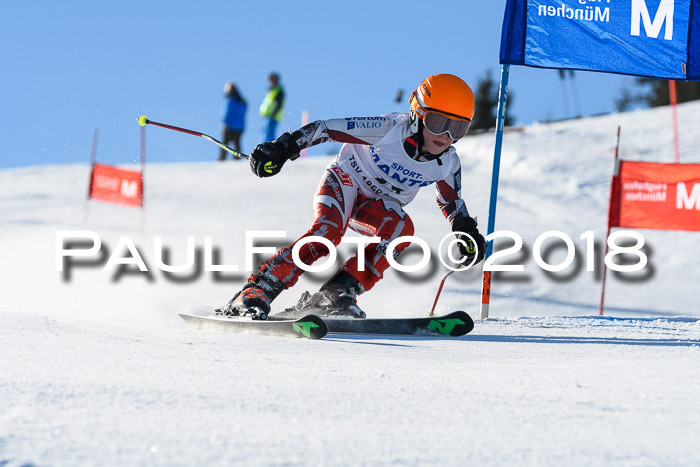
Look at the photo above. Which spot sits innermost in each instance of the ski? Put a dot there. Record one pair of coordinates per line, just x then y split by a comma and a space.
457, 323
309, 326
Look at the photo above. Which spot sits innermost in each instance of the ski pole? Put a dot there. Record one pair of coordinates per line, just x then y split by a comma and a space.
442, 282
143, 121
439, 291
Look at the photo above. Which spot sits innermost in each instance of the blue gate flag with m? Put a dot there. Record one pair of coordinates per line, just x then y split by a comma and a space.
654, 38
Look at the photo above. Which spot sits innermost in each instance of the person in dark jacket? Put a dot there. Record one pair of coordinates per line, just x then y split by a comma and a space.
233, 119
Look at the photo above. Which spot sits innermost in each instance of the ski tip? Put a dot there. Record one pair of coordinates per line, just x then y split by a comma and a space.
455, 324
310, 326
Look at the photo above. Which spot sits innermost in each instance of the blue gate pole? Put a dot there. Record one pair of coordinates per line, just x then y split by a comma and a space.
500, 123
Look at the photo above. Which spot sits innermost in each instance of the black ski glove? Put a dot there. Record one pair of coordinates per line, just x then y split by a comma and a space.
268, 158
470, 249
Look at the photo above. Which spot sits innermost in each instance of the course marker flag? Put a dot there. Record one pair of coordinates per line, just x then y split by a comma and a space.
649, 195
656, 38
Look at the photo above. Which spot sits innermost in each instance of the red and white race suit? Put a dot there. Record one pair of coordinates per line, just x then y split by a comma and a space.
379, 171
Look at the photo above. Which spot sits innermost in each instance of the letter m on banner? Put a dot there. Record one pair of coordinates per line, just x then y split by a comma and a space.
664, 17
114, 185
651, 195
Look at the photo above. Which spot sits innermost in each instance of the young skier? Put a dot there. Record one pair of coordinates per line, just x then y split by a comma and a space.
384, 162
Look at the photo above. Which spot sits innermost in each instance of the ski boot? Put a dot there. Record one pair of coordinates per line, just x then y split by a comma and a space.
336, 298
254, 298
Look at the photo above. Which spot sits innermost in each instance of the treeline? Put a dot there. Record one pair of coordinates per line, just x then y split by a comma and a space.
648, 92
486, 103
655, 93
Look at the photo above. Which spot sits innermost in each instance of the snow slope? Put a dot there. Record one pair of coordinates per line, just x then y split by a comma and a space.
96, 367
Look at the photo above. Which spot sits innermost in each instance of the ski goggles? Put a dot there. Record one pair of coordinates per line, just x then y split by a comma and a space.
438, 123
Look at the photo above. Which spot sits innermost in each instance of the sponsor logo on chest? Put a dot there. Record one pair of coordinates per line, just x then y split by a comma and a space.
397, 172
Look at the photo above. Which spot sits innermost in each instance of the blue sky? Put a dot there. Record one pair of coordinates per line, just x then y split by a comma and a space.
71, 67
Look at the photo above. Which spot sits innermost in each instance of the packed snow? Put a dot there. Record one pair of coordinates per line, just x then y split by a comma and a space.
96, 367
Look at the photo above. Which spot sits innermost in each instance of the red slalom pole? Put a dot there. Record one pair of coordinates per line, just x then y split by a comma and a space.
615, 179
485, 294
143, 121
674, 112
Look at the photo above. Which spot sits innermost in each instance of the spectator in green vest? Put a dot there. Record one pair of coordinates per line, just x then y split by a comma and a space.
272, 108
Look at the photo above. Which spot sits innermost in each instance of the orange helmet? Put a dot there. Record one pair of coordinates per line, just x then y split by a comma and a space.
445, 104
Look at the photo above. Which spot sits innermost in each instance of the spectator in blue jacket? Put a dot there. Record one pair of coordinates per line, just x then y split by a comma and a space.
234, 118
